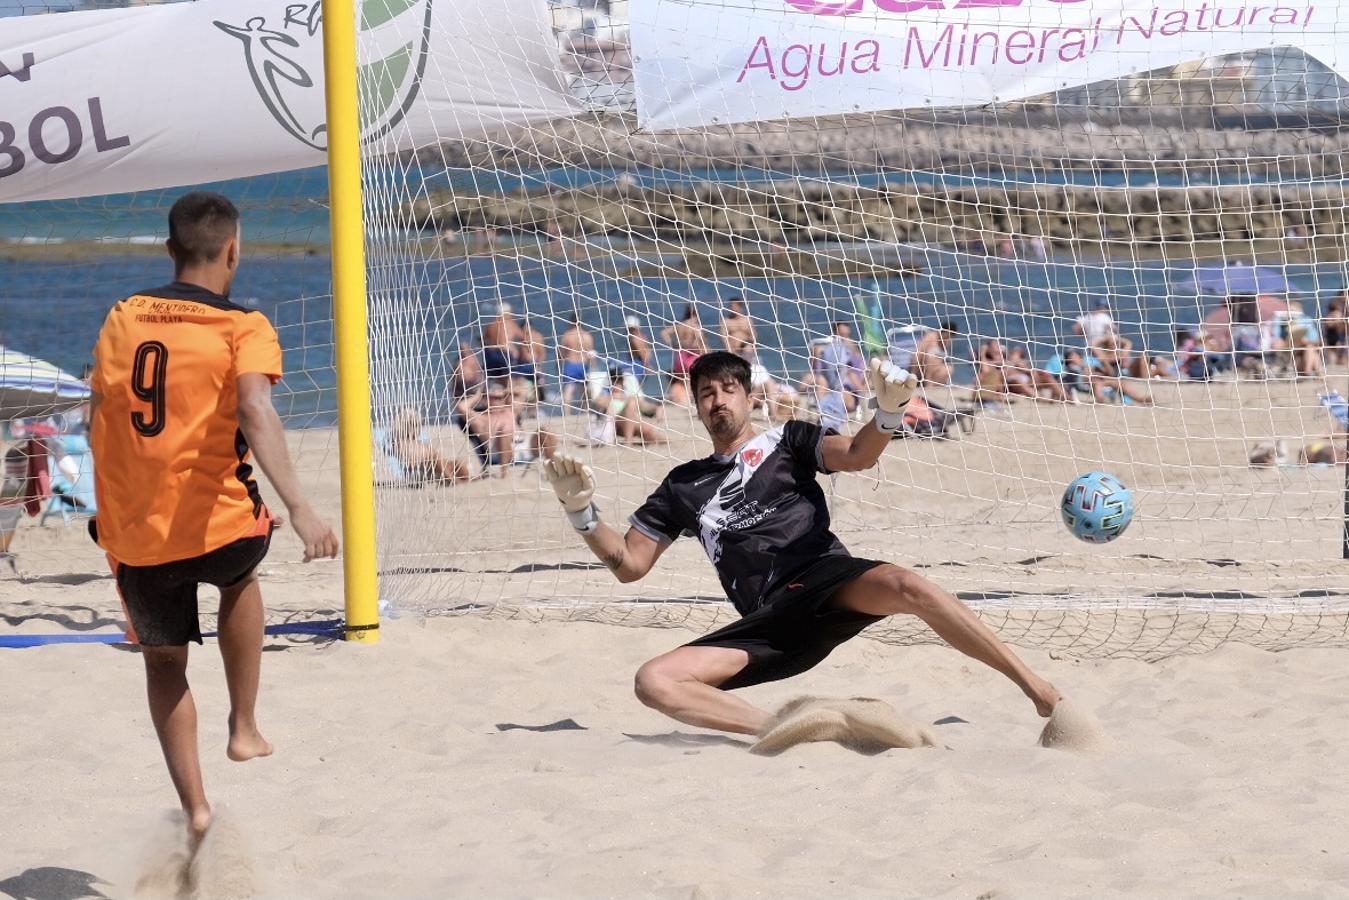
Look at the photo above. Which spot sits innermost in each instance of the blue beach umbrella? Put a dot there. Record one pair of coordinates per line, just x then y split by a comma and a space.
31, 388
1241, 278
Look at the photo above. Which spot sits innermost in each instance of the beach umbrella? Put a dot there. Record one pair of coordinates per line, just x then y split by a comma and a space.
1240, 278
32, 388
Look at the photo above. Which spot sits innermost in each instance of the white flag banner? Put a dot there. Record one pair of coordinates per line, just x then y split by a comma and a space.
705, 62
119, 100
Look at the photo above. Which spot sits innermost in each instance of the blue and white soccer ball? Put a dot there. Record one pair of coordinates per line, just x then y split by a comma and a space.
1097, 507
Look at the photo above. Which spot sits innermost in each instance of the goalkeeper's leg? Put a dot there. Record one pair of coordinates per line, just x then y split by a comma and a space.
890, 590
680, 684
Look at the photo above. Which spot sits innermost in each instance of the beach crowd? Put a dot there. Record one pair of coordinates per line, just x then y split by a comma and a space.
502, 376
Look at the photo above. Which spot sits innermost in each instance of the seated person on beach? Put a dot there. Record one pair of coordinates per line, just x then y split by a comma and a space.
1335, 330
1191, 360
495, 417
501, 339
756, 505
737, 331
930, 363
533, 353
687, 339
1078, 375
618, 415
1249, 337
829, 403
422, 463
575, 354
641, 358
997, 381
1300, 335
1097, 324
468, 378
1117, 359
489, 413
839, 362
738, 336
1112, 388
1044, 385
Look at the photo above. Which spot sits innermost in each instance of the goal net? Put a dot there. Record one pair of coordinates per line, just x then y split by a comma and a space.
1103, 237
1143, 276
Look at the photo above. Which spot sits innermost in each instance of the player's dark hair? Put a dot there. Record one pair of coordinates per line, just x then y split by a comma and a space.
200, 224
719, 365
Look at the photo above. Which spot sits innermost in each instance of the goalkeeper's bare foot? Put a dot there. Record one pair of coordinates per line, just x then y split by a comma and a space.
1043, 694
247, 743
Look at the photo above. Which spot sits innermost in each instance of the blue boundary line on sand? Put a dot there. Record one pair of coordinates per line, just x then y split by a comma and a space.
324, 628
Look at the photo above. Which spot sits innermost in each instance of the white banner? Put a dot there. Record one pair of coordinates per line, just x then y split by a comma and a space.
148, 97
706, 62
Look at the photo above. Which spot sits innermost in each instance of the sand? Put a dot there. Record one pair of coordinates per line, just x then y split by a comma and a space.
506, 756
394, 777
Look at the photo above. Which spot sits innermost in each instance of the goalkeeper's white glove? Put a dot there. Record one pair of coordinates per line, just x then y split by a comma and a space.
892, 387
574, 484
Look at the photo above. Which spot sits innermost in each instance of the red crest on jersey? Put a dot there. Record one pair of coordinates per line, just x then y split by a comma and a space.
752, 457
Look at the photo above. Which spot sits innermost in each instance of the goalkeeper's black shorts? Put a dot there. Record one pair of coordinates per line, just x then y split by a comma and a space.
798, 627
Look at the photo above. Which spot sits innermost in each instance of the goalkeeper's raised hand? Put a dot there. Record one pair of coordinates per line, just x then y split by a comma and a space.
574, 484
892, 387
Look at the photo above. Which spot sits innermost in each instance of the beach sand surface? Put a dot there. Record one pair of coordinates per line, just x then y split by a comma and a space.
399, 772
505, 755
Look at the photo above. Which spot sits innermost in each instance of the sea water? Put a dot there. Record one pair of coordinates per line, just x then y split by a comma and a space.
53, 308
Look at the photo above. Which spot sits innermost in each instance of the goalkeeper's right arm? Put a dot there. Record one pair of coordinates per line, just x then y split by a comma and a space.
629, 556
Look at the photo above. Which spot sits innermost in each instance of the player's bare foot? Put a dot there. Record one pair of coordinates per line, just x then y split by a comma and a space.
246, 744
198, 823
1043, 694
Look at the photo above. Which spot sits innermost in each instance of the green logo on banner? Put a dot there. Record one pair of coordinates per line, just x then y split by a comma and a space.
387, 86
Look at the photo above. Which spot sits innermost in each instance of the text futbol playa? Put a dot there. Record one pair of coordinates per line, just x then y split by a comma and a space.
705, 62
967, 44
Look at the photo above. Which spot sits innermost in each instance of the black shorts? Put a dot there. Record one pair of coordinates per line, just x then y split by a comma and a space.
798, 627
161, 600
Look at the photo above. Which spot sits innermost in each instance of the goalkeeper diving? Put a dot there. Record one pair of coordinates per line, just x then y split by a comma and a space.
758, 509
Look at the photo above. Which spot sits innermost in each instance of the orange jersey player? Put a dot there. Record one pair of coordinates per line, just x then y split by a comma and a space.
182, 401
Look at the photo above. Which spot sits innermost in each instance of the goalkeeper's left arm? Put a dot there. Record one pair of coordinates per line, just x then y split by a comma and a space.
629, 556
892, 387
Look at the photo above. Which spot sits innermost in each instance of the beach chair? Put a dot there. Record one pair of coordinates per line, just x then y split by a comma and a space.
902, 343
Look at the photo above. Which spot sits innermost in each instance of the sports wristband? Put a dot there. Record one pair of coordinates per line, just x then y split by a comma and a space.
887, 422
585, 520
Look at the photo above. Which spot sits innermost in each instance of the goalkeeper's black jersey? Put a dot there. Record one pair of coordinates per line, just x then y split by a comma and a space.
760, 513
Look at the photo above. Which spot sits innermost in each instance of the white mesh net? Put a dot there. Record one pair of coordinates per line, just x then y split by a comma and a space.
1140, 212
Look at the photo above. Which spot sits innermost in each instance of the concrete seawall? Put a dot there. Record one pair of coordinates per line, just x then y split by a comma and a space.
1302, 218
1302, 215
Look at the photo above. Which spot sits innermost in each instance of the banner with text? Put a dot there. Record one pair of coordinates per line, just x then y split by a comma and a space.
108, 101
706, 62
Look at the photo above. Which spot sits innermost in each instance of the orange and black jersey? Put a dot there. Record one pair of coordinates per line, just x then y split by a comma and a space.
172, 474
